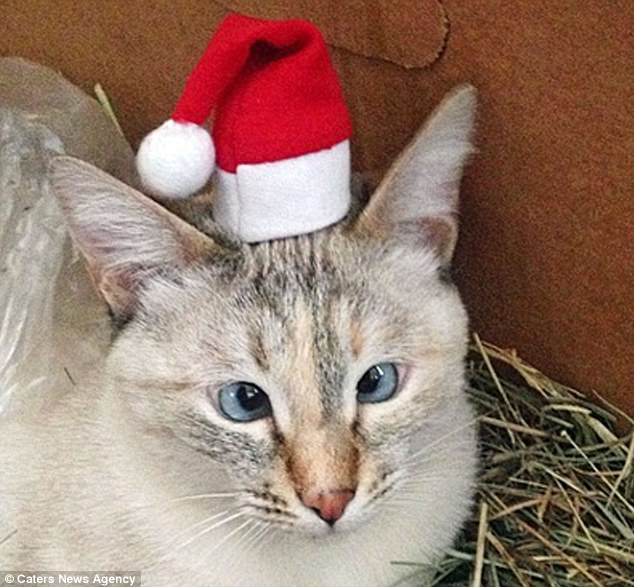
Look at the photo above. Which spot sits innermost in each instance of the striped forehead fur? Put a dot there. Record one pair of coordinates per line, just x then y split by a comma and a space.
298, 279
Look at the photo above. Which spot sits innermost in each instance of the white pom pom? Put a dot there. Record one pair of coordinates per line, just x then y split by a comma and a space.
176, 159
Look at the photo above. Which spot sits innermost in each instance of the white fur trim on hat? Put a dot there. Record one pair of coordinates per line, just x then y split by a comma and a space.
285, 198
176, 159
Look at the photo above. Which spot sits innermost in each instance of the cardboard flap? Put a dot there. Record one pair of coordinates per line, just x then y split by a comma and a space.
410, 33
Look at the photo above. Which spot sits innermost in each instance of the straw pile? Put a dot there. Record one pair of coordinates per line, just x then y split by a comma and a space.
556, 491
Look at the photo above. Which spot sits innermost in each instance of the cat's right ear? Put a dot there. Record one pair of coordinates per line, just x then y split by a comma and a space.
418, 198
125, 236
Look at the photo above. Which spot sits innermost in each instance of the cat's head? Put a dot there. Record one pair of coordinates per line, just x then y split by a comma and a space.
323, 374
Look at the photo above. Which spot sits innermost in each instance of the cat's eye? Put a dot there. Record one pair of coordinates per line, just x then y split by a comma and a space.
244, 402
378, 384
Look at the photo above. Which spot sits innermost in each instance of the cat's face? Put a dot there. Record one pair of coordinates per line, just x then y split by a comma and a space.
308, 369
320, 376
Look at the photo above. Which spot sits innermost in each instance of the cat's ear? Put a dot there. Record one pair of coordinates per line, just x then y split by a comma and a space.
125, 236
418, 198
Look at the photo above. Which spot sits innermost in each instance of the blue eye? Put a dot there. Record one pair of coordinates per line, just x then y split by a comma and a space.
378, 384
244, 402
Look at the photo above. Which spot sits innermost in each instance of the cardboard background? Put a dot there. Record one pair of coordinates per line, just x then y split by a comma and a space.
545, 260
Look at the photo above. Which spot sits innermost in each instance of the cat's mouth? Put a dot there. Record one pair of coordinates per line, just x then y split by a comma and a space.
319, 514
275, 511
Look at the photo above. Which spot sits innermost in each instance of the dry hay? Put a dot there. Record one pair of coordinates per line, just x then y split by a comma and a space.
556, 490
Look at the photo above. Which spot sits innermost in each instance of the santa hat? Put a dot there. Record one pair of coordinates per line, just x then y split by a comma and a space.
281, 132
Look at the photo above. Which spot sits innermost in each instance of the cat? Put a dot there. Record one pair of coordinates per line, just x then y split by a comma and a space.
289, 413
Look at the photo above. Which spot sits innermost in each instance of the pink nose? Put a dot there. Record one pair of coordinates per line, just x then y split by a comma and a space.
328, 505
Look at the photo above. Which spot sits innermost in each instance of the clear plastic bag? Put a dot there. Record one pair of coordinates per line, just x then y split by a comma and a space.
52, 326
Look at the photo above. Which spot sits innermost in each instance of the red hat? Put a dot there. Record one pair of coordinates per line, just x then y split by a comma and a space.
280, 132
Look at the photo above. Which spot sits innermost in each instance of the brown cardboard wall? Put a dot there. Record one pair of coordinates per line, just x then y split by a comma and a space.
545, 259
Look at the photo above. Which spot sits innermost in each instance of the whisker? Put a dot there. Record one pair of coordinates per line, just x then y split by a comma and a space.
258, 537
442, 438
225, 495
435, 457
167, 555
248, 533
412, 490
202, 522
232, 517
232, 533
401, 500
244, 544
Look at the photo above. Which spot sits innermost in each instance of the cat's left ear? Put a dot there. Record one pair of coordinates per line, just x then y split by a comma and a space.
126, 237
417, 200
